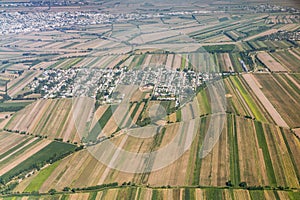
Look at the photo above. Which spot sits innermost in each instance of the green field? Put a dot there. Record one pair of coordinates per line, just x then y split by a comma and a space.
54, 151
263, 145
220, 48
100, 124
37, 182
249, 100
13, 106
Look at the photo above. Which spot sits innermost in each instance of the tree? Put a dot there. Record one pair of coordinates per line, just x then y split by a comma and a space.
66, 189
243, 184
52, 191
229, 184
2, 181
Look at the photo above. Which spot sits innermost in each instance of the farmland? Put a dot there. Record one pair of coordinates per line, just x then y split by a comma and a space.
265, 141
285, 94
41, 118
271, 63
193, 100
26, 153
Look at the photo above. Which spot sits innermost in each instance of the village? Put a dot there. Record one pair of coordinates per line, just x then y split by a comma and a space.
168, 85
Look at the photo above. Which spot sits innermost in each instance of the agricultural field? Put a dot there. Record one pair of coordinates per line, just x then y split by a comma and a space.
230, 159
289, 59
269, 45
271, 63
48, 118
234, 134
13, 106
21, 154
241, 101
202, 62
282, 92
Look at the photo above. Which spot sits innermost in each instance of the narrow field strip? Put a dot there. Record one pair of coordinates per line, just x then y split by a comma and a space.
263, 99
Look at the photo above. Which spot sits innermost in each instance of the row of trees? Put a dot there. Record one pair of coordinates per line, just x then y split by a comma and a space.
259, 187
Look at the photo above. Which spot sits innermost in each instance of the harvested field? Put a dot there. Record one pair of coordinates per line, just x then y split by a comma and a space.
225, 62
169, 62
43, 65
9, 141
212, 170
158, 59
282, 161
288, 59
265, 101
252, 168
268, 32
176, 62
51, 118
282, 98
270, 62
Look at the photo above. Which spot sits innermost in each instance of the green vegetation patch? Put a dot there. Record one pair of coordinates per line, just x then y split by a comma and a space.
220, 48
56, 64
13, 106
51, 153
71, 63
156, 195
213, 194
203, 101
178, 116
294, 195
257, 194
223, 19
38, 181
183, 62
189, 193
100, 124
250, 102
263, 145
198, 160
233, 148
237, 66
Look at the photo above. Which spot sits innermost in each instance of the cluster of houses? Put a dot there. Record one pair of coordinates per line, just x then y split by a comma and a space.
284, 35
262, 8
54, 83
97, 83
166, 84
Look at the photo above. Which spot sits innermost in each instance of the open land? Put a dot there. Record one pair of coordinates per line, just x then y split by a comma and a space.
203, 96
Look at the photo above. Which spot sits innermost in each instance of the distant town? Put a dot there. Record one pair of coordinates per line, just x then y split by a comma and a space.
24, 21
